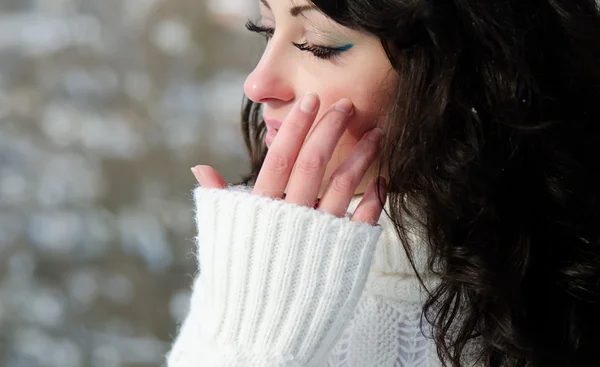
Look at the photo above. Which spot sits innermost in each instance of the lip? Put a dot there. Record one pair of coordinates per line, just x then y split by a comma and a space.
273, 124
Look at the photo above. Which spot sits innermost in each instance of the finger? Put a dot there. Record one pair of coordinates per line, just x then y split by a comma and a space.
310, 166
208, 177
369, 209
279, 161
346, 178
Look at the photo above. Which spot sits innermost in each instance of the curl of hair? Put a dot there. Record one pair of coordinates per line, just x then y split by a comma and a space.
494, 134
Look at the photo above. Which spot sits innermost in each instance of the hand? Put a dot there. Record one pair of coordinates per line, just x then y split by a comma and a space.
299, 165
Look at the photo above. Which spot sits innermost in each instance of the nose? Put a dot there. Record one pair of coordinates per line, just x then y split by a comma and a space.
269, 81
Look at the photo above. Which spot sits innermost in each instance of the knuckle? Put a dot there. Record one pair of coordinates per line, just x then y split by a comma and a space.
311, 164
343, 183
276, 162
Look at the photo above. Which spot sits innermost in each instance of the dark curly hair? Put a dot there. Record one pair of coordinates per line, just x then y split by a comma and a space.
495, 136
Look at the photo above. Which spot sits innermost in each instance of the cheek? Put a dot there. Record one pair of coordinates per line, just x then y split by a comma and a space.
371, 94
369, 107
344, 147
369, 112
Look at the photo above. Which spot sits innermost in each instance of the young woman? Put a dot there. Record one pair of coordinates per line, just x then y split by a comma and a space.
484, 119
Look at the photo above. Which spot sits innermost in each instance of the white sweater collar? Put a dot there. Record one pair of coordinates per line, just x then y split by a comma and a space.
391, 274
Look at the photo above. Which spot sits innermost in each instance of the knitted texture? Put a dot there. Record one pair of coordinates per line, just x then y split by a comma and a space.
278, 283
384, 333
387, 328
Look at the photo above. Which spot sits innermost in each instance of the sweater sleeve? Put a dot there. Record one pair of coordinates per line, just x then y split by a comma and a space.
276, 284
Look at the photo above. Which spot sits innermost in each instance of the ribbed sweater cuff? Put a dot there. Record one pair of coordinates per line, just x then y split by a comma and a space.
277, 282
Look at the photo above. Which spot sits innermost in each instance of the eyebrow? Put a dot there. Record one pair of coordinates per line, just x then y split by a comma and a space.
295, 11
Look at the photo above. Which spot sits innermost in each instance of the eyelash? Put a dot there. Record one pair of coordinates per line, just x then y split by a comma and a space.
321, 52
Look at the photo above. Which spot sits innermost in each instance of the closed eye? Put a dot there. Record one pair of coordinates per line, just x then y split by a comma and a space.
319, 51
265, 31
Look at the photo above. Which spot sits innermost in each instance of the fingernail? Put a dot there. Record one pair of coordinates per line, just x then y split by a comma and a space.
376, 134
309, 103
344, 105
197, 171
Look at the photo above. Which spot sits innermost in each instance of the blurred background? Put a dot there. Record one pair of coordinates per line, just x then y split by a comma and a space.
104, 107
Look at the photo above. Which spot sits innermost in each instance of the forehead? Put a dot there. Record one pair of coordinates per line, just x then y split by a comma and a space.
296, 7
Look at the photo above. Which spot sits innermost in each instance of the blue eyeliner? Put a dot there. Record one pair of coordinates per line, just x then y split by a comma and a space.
344, 48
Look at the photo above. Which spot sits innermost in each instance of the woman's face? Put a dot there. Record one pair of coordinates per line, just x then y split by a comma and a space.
351, 65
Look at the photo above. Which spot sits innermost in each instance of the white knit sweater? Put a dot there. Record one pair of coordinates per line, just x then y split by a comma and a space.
284, 285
